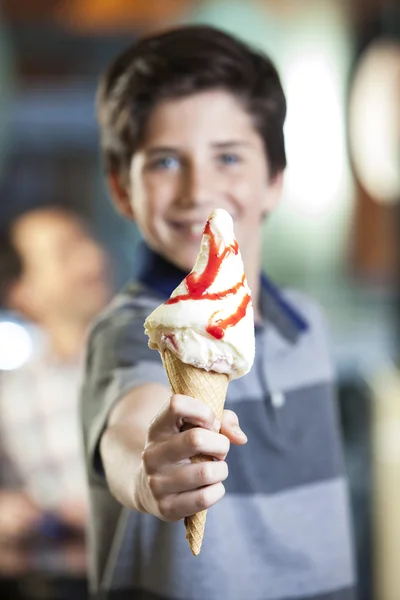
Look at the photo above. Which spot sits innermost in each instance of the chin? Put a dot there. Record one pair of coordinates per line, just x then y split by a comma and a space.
97, 302
185, 258
183, 263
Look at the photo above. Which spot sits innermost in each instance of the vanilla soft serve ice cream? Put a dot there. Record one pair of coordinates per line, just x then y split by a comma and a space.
208, 321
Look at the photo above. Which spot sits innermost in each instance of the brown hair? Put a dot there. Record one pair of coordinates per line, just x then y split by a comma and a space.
11, 267
178, 63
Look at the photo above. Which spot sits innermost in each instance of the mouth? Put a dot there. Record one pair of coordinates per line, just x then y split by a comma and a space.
192, 230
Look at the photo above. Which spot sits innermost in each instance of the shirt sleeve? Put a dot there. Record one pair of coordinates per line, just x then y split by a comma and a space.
118, 360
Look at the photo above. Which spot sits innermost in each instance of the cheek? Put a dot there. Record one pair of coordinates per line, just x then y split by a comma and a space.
61, 278
154, 196
250, 183
46, 291
250, 195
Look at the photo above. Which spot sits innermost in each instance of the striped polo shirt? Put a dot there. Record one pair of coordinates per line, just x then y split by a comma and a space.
282, 531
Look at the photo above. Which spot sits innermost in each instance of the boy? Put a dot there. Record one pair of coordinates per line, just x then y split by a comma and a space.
191, 120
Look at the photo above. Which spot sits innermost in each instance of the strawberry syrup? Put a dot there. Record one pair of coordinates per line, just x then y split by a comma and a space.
197, 286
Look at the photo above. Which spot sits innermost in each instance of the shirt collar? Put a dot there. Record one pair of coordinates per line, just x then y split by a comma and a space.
156, 273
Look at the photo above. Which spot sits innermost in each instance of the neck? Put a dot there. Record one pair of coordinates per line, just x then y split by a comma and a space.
66, 338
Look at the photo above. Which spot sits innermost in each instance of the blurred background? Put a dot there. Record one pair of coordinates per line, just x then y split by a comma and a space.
336, 234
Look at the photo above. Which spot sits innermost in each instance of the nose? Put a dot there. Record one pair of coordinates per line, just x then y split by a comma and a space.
198, 185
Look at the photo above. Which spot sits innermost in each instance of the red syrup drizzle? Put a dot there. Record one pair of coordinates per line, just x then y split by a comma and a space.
197, 286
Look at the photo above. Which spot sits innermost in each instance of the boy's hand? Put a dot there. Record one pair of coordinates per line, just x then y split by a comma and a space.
168, 484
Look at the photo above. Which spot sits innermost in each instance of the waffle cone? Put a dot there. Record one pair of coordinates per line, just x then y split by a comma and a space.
211, 388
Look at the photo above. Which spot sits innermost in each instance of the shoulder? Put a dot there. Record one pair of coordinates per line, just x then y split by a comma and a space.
125, 315
309, 308
134, 301
307, 360
117, 335
317, 339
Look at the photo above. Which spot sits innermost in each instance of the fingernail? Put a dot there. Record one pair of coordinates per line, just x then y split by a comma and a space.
238, 431
217, 425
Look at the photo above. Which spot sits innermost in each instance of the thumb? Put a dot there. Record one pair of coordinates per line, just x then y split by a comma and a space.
231, 429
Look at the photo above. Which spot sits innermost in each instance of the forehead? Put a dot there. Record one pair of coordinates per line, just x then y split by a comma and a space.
36, 233
215, 112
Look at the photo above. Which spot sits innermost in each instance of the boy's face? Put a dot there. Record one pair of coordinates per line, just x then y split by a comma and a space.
200, 153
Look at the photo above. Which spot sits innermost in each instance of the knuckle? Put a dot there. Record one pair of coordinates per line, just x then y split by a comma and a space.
209, 415
229, 414
209, 495
175, 405
204, 499
226, 444
205, 472
146, 459
153, 483
195, 439
224, 470
230, 417
165, 509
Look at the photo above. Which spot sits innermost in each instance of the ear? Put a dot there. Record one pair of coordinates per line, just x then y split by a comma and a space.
120, 195
273, 192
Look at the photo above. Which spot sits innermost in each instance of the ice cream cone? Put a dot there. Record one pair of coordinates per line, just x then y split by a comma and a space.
208, 320
211, 388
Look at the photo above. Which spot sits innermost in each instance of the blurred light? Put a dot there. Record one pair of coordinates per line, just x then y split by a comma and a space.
375, 121
306, 237
314, 131
15, 345
118, 15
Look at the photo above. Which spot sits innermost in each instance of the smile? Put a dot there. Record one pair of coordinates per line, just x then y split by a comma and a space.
192, 229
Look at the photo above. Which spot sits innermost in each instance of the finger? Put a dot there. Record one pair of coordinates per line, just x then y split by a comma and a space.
188, 477
231, 428
182, 505
183, 446
180, 410
194, 442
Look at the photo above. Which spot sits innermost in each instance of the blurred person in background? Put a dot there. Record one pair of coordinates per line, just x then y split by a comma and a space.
54, 274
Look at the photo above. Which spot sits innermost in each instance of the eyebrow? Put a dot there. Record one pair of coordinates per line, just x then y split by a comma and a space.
217, 145
230, 144
162, 150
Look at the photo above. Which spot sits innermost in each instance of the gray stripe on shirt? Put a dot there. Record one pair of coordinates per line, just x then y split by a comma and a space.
285, 567
347, 593
289, 446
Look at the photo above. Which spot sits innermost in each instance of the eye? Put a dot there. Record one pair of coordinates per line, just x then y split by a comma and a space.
228, 158
166, 163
